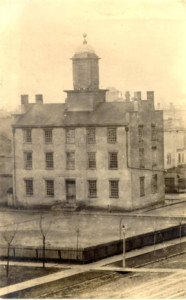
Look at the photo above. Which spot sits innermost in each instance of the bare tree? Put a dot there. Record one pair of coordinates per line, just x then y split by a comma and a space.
8, 236
44, 224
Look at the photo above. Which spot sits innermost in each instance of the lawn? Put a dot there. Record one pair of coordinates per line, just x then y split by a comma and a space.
20, 273
64, 229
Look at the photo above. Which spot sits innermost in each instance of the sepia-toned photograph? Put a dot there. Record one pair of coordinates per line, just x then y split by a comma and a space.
93, 149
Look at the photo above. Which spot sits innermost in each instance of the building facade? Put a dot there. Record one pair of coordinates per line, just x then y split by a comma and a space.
175, 148
87, 152
6, 181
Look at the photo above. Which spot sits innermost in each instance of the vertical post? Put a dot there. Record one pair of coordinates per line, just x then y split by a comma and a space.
7, 269
43, 251
77, 231
123, 231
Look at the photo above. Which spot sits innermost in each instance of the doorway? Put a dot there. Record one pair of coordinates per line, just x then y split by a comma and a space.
70, 190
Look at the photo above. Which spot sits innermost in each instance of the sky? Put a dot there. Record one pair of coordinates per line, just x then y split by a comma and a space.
142, 45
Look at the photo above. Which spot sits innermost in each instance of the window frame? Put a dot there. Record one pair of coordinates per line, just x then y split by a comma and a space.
112, 161
153, 132
142, 188
67, 160
27, 138
27, 181
169, 158
91, 138
26, 160
92, 181
51, 194
70, 139
50, 138
140, 132
179, 157
154, 156
141, 158
116, 195
111, 135
49, 161
154, 184
89, 160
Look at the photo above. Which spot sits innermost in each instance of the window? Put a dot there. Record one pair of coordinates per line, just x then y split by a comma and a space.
111, 135
168, 158
48, 135
49, 160
153, 132
114, 189
91, 160
92, 188
28, 135
141, 158
50, 188
142, 186
154, 184
113, 160
70, 160
154, 156
179, 158
29, 187
140, 132
182, 157
91, 135
28, 160
70, 136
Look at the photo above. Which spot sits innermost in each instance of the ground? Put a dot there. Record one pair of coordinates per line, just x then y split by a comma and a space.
94, 228
21, 273
113, 285
142, 285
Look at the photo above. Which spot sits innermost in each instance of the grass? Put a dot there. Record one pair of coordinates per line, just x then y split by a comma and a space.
20, 273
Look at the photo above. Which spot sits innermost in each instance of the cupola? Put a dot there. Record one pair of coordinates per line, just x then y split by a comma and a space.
85, 67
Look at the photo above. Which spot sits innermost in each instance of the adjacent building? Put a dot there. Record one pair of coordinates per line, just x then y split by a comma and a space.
87, 152
175, 148
5, 156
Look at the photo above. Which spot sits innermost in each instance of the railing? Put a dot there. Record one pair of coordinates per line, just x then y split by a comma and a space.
96, 252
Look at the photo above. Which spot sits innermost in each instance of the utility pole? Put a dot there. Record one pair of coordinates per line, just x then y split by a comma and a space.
123, 231
77, 231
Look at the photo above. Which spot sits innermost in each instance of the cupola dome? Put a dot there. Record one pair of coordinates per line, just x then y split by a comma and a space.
84, 50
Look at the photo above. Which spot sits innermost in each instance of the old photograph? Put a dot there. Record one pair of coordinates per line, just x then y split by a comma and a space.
93, 149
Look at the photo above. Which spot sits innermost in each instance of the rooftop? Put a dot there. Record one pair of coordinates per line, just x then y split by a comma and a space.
57, 115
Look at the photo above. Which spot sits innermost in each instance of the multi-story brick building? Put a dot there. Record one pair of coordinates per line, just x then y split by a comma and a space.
87, 152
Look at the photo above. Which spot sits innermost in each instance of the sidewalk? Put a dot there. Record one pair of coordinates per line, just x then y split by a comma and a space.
170, 199
77, 269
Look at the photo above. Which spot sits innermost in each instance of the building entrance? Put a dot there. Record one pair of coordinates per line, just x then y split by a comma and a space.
70, 190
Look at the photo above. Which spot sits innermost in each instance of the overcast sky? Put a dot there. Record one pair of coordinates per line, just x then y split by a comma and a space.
142, 45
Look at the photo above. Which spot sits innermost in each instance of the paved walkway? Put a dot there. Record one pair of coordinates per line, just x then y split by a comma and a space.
77, 269
170, 199
143, 270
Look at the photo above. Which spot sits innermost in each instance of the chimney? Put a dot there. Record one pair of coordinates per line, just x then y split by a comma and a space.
24, 103
127, 96
24, 99
39, 99
137, 96
150, 95
158, 107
